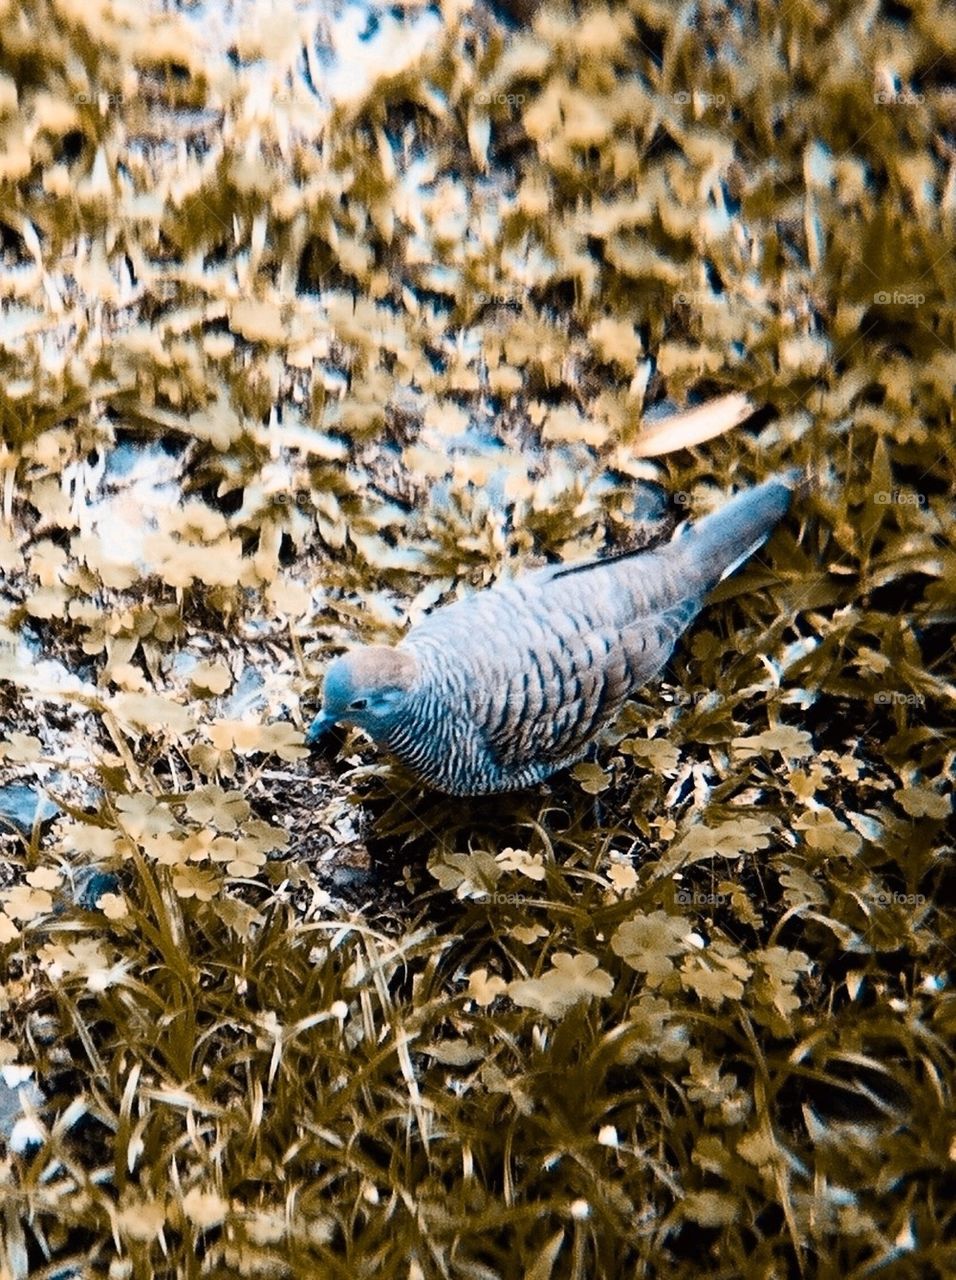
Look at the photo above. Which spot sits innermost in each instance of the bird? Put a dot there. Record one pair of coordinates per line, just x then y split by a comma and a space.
500, 689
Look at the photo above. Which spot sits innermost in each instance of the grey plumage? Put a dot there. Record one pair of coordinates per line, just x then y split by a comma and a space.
500, 689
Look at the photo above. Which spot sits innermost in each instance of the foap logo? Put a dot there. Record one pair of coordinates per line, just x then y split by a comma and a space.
887, 898
899, 298
505, 899
694, 297
700, 98
899, 498
297, 498
896, 698
485, 98
692, 898
898, 98
501, 297
102, 100
708, 698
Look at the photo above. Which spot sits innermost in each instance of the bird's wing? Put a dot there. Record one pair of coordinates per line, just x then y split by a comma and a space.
573, 679
534, 667
539, 664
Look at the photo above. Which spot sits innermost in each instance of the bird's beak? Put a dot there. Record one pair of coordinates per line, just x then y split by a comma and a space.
318, 728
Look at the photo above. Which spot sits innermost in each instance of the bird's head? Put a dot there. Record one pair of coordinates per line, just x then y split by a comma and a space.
367, 687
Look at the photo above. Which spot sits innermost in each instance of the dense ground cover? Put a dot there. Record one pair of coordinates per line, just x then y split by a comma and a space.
309, 324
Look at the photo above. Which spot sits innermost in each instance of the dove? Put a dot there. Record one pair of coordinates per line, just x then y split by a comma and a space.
506, 686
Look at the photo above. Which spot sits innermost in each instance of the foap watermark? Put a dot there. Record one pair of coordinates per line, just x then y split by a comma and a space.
692, 898
890, 898
700, 98
899, 298
501, 297
102, 100
485, 98
899, 498
697, 697
301, 498
505, 899
694, 297
896, 698
898, 98
681, 498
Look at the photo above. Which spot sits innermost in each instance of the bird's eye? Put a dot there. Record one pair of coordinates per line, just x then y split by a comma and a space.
359, 704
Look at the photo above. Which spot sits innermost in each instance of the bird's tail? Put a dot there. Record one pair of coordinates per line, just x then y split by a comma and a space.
722, 541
